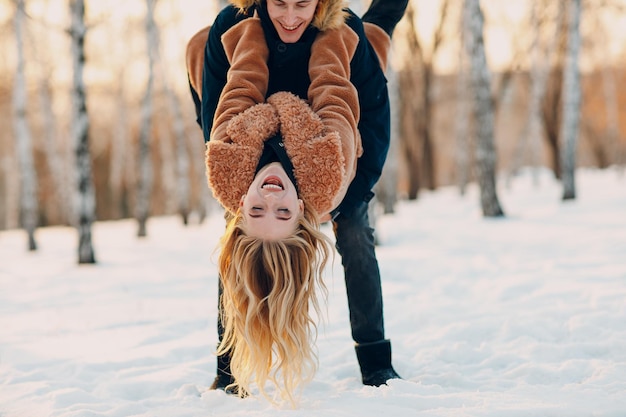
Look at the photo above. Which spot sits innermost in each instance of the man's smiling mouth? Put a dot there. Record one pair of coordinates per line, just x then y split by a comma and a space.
290, 28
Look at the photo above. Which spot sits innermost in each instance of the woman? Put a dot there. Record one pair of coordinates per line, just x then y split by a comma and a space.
272, 253
317, 50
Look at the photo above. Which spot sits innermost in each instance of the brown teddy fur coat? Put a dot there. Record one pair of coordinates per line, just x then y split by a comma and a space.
321, 139
315, 153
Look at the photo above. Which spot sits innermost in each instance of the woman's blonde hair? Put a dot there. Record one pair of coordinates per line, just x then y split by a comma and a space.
269, 287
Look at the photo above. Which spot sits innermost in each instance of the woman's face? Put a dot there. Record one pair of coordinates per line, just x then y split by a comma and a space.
271, 207
291, 17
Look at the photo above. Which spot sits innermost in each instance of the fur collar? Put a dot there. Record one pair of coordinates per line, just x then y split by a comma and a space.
330, 14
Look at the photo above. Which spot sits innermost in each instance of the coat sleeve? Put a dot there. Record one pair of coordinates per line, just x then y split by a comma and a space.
216, 65
238, 123
380, 41
374, 125
334, 98
231, 163
194, 59
248, 76
214, 69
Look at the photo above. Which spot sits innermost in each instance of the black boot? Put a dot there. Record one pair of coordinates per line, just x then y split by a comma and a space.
224, 378
221, 382
375, 362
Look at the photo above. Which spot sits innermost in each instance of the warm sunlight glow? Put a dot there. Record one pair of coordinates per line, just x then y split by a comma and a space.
506, 33
118, 27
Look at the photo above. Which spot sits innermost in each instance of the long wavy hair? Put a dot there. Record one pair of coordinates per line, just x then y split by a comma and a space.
269, 290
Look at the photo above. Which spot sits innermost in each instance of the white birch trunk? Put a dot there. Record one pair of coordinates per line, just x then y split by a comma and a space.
539, 82
571, 103
85, 198
145, 179
483, 109
462, 131
29, 206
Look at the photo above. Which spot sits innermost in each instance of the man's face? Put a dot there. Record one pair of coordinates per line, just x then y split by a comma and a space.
291, 17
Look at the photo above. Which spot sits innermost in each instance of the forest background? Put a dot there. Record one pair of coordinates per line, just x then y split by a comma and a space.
142, 141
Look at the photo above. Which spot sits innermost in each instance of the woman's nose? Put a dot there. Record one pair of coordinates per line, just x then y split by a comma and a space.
270, 196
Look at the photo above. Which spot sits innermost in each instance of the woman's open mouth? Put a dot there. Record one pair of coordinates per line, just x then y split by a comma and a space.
273, 183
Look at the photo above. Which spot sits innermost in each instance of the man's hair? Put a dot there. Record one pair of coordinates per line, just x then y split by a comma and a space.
329, 14
269, 287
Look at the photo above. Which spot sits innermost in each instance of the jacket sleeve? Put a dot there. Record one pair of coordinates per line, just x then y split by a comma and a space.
214, 69
231, 162
374, 124
248, 76
380, 41
235, 125
194, 60
334, 98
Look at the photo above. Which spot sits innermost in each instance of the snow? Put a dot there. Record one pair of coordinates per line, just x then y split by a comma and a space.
519, 316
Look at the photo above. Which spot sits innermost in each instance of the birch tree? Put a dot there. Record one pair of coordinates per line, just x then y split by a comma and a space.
539, 78
571, 102
542, 47
29, 206
461, 120
551, 107
145, 179
417, 79
483, 108
85, 199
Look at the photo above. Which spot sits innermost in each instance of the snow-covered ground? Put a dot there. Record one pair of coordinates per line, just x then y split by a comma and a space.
520, 316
